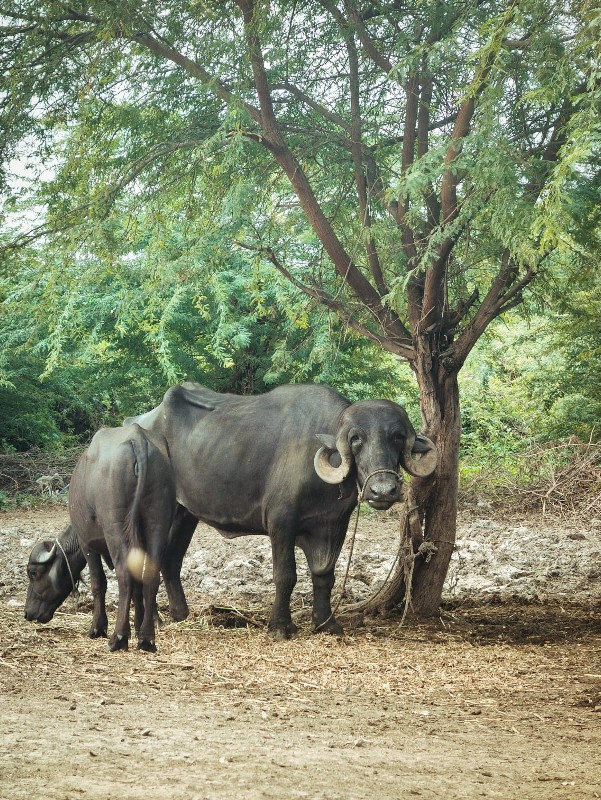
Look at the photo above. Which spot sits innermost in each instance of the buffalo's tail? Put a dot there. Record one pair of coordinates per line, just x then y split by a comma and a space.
139, 563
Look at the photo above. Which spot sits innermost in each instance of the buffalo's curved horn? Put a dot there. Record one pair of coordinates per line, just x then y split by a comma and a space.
332, 449
46, 555
427, 460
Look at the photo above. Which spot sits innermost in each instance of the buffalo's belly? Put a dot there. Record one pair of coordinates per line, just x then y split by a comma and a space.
95, 544
230, 527
234, 534
229, 515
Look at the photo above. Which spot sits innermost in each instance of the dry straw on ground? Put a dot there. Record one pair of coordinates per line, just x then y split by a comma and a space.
219, 658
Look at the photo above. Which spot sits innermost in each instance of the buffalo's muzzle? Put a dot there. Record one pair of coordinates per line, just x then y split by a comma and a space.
45, 615
382, 491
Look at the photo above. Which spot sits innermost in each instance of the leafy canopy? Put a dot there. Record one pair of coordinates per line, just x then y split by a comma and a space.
175, 174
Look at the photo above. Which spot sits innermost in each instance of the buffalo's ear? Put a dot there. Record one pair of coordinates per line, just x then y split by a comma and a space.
327, 440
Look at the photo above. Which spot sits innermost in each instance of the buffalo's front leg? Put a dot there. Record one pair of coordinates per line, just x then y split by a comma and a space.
280, 623
321, 550
180, 535
99, 625
323, 620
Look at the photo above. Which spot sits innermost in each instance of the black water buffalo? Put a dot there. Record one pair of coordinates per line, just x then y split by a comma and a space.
54, 570
122, 504
253, 464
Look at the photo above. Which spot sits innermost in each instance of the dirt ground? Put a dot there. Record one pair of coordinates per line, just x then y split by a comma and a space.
499, 697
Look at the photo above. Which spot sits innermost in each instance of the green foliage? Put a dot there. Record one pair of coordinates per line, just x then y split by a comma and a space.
93, 336
158, 240
528, 385
121, 124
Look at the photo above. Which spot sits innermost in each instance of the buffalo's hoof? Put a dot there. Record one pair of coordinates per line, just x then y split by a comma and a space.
279, 632
331, 626
97, 633
117, 643
147, 645
179, 613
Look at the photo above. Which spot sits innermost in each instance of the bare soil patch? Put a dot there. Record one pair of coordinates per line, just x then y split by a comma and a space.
500, 697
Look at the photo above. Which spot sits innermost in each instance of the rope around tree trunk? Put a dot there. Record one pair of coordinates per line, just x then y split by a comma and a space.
400, 576
398, 582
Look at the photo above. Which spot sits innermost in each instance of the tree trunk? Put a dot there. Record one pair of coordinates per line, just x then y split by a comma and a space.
437, 498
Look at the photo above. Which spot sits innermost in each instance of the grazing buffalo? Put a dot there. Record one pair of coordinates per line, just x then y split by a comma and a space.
54, 570
253, 464
122, 504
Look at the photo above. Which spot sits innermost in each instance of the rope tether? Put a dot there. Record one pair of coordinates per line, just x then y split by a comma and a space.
75, 589
360, 499
426, 549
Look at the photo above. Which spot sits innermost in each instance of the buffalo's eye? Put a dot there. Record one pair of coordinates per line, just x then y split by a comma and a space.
356, 441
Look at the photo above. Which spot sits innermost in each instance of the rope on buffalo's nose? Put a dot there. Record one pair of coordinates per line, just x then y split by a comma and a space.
361, 498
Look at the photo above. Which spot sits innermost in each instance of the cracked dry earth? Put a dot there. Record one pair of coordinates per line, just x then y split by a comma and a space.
500, 697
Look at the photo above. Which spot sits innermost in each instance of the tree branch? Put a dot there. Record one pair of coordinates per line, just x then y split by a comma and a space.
319, 294
434, 285
156, 45
70, 220
193, 68
320, 109
501, 296
423, 128
366, 42
343, 263
360, 181
392, 141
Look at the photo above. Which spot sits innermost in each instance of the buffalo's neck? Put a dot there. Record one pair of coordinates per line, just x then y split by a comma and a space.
69, 543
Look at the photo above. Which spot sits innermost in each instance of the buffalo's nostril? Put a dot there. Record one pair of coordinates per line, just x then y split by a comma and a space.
383, 490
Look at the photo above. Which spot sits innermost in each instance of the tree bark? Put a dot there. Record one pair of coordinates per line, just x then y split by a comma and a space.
437, 497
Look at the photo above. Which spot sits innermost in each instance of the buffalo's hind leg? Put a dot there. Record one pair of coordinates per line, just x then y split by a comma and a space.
120, 638
280, 624
99, 625
180, 535
138, 599
146, 632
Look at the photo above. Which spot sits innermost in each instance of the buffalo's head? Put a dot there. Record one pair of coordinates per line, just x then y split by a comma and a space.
49, 581
377, 438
